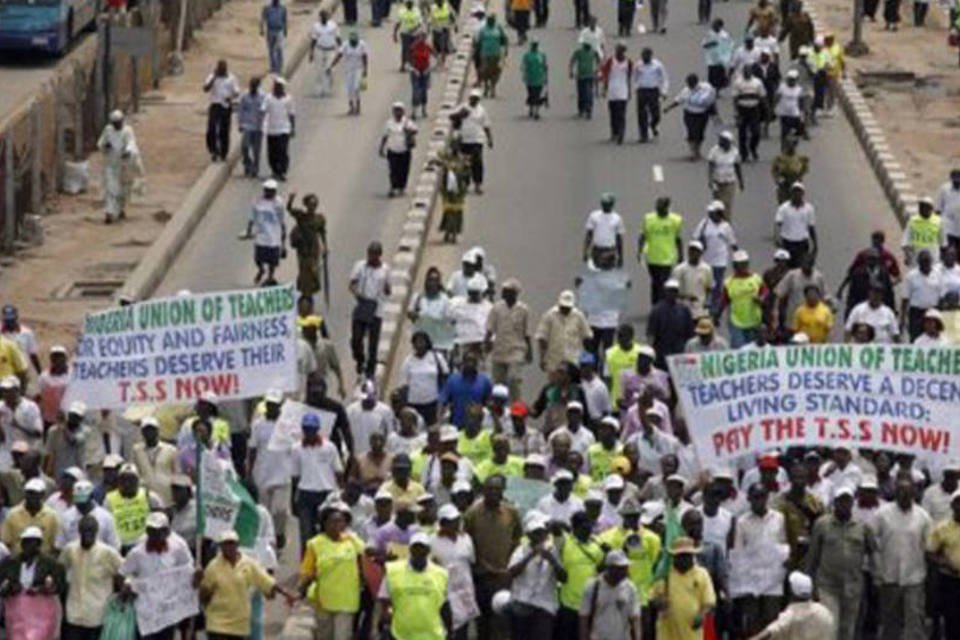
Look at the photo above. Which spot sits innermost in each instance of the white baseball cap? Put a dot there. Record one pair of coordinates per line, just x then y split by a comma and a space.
800, 584
273, 396
35, 485
567, 298
34, 533
77, 408
226, 536
157, 520
448, 512
561, 475
270, 184
500, 391
741, 256
613, 482
420, 538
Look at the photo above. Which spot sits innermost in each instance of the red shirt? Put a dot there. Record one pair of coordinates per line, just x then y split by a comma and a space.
420, 54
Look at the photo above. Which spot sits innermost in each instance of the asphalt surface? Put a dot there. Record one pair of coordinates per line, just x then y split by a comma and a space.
23, 73
543, 178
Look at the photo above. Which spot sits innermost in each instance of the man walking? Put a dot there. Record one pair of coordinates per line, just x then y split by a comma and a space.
356, 62
370, 286
121, 164
744, 292
583, 70
616, 74
409, 22
749, 94
796, 230
508, 337
250, 123
723, 171
474, 132
652, 84
661, 238
325, 38
421, 64
658, 16
535, 73
269, 233
223, 90
273, 25
278, 124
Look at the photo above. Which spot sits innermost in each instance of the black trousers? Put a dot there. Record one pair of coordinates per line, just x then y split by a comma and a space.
626, 10
76, 632
568, 624
366, 358
717, 76
915, 322
704, 10
748, 129
278, 154
659, 274
399, 164
541, 9
790, 125
798, 250
218, 130
585, 97
349, 11
618, 118
224, 636
920, 13
648, 110
475, 152
581, 12
602, 340
949, 590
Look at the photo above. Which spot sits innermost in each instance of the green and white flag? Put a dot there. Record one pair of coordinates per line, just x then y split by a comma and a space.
223, 503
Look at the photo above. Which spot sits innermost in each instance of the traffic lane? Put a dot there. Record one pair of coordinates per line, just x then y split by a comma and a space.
545, 176
332, 155
24, 73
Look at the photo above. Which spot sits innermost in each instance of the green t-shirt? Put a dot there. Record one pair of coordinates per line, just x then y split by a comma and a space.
490, 41
585, 63
534, 69
661, 233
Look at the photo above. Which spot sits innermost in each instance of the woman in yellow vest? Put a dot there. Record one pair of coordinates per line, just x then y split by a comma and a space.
743, 292
330, 574
581, 556
415, 589
130, 505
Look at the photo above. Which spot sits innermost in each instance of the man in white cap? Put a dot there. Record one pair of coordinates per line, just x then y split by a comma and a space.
84, 505
743, 293
32, 512
160, 550
839, 549
562, 333
604, 231
30, 569
610, 609
453, 550
694, 278
415, 589
803, 618
475, 132
535, 571
67, 442
20, 419
367, 415
130, 505
580, 436
270, 463
788, 106
717, 236
670, 324
279, 127
62, 499
938, 497
724, 174
796, 226
560, 505
508, 337
469, 315
121, 165
267, 229
155, 460
93, 567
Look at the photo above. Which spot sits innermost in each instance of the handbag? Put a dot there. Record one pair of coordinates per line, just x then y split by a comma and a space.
410, 136
119, 620
365, 310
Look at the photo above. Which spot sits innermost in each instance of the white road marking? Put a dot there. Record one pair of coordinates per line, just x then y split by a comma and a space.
657, 173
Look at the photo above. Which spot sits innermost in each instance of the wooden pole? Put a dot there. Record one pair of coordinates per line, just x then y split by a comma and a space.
9, 194
37, 138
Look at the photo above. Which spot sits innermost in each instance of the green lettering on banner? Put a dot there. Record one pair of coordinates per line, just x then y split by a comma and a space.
261, 302
828, 356
937, 361
173, 312
715, 364
112, 321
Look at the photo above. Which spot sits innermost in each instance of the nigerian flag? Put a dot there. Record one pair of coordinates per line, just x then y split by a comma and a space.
672, 531
222, 501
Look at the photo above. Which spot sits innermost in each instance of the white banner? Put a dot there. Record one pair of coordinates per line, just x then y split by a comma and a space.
165, 599
237, 344
896, 397
288, 430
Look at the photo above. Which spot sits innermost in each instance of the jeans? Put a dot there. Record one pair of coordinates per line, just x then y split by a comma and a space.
740, 337
618, 118
648, 110
419, 84
250, 145
585, 97
275, 51
474, 151
399, 165
307, 504
218, 130
278, 155
366, 360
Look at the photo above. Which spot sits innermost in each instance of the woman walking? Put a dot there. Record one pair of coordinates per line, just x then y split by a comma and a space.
396, 145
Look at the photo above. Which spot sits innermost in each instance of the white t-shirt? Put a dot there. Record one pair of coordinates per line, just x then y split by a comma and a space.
276, 114
949, 278
788, 100
396, 134
618, 80
882, 319
559, 511
474, 125
364, 423
923, 291
420, 376
768, 44
605, 227
272, 467
593, 37
353, 56
316, 466
267, 218
717, 239
724, 164
371, 281
795, 222
223, 90
325, 35
537, 584
469, 319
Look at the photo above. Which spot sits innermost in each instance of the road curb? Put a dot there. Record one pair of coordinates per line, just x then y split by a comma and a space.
419, 218
158, 259
898, 189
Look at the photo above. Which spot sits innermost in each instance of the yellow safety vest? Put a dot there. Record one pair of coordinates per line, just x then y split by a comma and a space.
924, 233
441, 14
416, 598
581, 562
601, 460
409, 19
745, 313
337, 575
129, 514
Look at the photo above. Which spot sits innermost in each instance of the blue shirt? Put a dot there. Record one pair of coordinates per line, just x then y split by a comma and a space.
275, 18
459, 392
249, 115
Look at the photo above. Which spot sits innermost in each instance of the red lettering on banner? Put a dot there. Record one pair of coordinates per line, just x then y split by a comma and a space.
732, 440
222, 384
909, 435
779, 429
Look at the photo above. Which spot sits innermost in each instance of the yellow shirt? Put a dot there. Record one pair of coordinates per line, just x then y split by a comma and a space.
19, 519
660, 234
512, 468
619, 360
642, 552
333, 566
91, 574
688, 594
413, 491
476, 449
228, 610
816, 321
416, 597
12, 361
945, 539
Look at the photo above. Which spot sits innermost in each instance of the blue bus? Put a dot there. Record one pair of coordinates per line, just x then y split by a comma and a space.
44, 25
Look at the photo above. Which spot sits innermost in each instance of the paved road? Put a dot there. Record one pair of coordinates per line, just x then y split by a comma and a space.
22, 74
